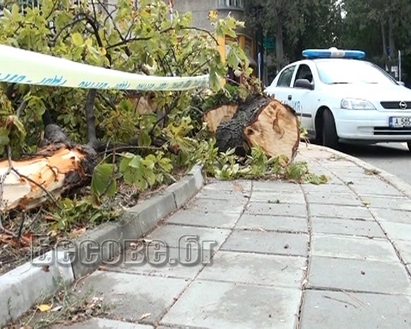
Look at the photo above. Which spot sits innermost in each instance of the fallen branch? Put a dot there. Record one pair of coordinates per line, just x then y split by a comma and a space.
59, 168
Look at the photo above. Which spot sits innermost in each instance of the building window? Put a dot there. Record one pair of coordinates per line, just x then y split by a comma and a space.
231, 3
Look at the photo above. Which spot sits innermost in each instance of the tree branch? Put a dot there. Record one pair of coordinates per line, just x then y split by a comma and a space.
125, 41
90, 118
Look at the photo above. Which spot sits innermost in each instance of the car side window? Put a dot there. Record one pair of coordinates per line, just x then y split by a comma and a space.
285, 78
304, 72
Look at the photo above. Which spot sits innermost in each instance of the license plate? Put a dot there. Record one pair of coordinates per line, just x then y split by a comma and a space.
400, 122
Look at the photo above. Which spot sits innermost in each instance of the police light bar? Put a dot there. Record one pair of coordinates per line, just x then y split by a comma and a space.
333, 53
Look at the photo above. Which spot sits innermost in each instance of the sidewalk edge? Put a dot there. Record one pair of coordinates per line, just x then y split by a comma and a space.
23, 287
391, 179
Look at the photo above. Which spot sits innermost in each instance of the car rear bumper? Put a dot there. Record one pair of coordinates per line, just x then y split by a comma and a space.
370, 125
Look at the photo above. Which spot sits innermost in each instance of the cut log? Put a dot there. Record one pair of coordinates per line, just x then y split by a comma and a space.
219, 114
261, 121
58, 167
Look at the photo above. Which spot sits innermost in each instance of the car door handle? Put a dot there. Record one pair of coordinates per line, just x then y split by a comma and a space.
290, 97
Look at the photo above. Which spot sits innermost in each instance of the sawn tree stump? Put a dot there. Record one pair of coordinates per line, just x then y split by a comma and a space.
261, 120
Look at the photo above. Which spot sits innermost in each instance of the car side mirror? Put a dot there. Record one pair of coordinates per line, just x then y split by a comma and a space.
303, 83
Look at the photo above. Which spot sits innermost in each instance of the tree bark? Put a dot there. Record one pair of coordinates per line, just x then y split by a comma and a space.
384, 40
261, 121
279, 47
391, 40
58, 167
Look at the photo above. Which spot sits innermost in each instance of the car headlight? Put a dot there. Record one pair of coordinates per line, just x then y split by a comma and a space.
356, 104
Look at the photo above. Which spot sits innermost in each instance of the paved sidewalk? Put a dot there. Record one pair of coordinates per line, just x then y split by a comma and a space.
329, 256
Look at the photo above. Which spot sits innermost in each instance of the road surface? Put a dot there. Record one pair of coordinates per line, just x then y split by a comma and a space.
392, 157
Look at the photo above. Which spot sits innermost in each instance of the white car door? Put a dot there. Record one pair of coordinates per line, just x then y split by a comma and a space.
303, 99
281, 86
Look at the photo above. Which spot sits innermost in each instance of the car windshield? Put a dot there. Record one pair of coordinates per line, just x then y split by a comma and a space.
352, 71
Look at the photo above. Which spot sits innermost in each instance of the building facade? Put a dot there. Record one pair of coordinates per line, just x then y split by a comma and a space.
235, 8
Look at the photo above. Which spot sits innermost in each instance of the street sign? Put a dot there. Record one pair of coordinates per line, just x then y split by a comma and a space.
269, 43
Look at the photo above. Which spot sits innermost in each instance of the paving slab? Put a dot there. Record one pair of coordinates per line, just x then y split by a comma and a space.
338, 211
319, 171
276, 209
390, 215
272, 223
258, 269
237, 185
267, 243
358, 178
165, 262
135, 295
352, 248
216, 206
277, 197
326, 188
404, 248
349, 199
350, 227
275, 186
358, 275
179, 327
333, 164
339, 310
178, 236
350, 170
375, 187
397, 231
386, 202
225, 194
96, 323
200, 218
210, 304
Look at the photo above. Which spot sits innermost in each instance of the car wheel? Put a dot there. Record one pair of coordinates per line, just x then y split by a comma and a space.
329, 131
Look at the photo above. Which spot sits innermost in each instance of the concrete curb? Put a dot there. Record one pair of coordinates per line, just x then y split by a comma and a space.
396, 182
22, 287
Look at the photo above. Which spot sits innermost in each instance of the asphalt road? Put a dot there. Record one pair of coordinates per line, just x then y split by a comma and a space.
394, 158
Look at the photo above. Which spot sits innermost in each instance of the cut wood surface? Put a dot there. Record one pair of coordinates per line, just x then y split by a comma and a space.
261, 121
55, 169
219, 114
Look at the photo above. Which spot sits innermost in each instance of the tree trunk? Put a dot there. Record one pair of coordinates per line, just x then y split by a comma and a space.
58, 167
219, 114
384, 40
391, 40
261, 121
279, 47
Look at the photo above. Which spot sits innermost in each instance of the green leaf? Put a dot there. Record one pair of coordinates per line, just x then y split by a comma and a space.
15, 12
141, 183
103, 181
125, 162
165, 163
150, 177
130, 176
144, 139
4, 137
77, 39
135, 162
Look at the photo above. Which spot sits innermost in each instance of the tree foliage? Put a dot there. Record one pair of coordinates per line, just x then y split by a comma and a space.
141, 149
379, 27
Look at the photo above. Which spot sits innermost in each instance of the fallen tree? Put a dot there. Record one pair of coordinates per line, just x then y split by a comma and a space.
258, 121
59, 166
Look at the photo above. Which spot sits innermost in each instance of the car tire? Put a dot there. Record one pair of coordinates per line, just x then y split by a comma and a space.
329, 131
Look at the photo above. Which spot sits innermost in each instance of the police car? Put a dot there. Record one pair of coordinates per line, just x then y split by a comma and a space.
340, 96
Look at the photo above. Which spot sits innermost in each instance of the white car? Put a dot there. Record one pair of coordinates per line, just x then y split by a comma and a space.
339, 96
